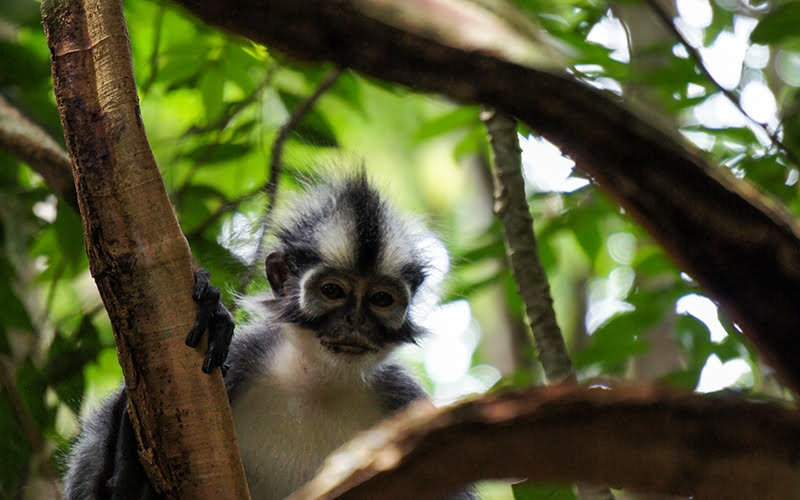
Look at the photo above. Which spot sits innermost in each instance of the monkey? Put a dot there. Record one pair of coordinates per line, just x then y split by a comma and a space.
311, 367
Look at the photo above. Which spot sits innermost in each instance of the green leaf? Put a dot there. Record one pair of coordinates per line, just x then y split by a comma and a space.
207, 154
458, 118
778, 25
314, 128
69, 237
196, 202
211, 88
537, 491
588, 232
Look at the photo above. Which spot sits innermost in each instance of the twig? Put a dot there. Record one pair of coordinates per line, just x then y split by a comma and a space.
512, 208
271, 188
664, 16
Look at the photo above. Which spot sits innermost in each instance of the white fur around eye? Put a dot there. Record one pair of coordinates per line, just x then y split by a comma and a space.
305, 298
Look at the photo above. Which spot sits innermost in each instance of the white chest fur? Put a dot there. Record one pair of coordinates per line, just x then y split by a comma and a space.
305, 404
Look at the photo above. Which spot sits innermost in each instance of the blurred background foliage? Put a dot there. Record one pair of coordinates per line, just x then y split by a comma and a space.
213, 104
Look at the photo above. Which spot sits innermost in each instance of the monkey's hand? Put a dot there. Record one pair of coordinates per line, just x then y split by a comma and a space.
211, 316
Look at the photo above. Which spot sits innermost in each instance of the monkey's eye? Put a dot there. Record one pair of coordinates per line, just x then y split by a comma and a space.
332, 291
381, 299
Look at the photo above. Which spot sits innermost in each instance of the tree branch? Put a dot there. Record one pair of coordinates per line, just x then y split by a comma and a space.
645, 439
138, 256
31, 144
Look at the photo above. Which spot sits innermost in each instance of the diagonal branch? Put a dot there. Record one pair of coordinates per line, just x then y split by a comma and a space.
511, 207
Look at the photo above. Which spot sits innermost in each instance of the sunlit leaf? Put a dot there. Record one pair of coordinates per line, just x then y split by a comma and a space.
460, 117
536, 491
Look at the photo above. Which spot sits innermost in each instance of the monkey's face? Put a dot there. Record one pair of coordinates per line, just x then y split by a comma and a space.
354, 314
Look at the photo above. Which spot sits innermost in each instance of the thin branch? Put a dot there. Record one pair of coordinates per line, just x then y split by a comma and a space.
511, 207
27, 141
665, 18
275, 167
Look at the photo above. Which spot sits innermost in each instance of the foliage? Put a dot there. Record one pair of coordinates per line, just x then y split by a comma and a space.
213, 106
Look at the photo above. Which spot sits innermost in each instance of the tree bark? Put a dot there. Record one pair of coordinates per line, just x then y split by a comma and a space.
644, 438
138, 256
740, 246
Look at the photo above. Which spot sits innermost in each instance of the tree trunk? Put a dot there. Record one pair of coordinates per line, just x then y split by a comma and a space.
138, 256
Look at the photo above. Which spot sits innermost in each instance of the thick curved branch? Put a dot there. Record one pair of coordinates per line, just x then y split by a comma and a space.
738, 245
138, 256
30, 143
645, 439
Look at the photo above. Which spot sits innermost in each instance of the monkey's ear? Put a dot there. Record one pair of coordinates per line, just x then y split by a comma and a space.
277, 272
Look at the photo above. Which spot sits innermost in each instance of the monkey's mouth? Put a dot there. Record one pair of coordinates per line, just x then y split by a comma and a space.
349, 346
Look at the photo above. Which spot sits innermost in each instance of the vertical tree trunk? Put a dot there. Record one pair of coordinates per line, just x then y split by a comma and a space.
138, 256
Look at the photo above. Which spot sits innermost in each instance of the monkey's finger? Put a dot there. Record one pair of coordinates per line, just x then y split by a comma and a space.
220, 331
206, 305
202, 278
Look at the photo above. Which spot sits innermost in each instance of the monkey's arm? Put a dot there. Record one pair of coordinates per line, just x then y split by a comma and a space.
104, 463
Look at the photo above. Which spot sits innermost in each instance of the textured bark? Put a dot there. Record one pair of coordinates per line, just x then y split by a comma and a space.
643, 438
31, 144
138, 256
741, 247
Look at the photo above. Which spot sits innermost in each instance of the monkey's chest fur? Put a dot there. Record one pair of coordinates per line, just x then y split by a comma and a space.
298, 410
